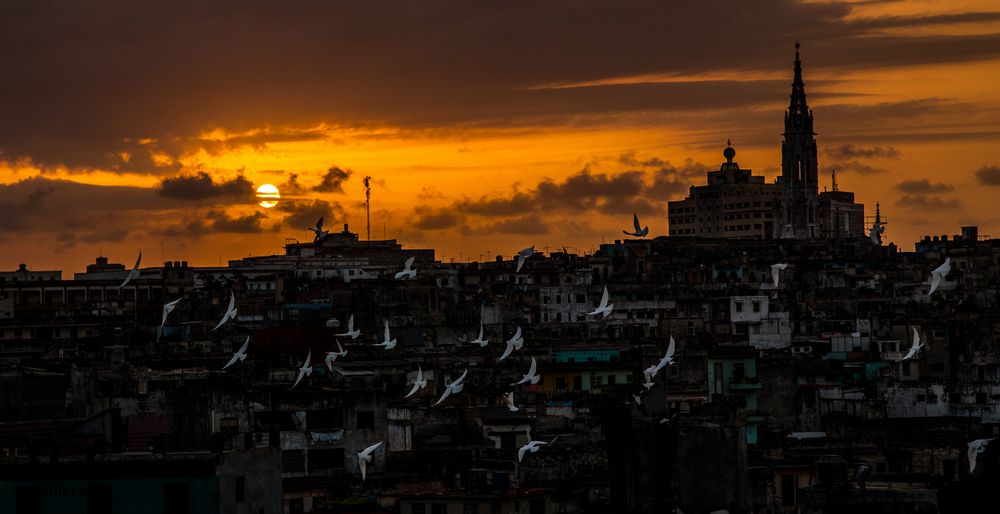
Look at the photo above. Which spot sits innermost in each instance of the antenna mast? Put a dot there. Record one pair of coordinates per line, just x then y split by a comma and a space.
368, 206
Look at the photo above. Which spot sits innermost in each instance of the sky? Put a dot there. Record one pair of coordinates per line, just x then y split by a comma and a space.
485, 127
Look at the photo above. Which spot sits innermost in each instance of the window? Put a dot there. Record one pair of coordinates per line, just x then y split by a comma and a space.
28, 500
577, 383
296, 506
560, 383
595, 380
980, 398
756, 306
241, 489
536, 506
611, 379
325, 419
175, 498
439, 508
98, 499
366, 419
739, 371
470, 508
331, 458
418, 508
229, 426
739, 306
293, 461
496, 508
788, 490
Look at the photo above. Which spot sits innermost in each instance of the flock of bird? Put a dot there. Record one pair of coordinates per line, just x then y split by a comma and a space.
515, 343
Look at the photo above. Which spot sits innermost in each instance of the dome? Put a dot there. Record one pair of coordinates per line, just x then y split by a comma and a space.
729, 153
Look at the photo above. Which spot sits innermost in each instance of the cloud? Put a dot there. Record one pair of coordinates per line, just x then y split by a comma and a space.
333, 181
301, 214
437, 220
988, 175
152, 83
856, 167
849, 151
201, 186
923, 187
925, 201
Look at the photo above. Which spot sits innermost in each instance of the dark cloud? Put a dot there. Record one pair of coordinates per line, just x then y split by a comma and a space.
437, 220
95, 86
849, 151
523, 225
855, 167
300, 215
923, 187
333, 181
926, 201
201, 186
988, 175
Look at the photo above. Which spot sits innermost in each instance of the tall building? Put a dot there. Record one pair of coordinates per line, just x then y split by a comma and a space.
734, 204
797, 213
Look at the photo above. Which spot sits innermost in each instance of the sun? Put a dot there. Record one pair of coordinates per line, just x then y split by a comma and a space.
268, 196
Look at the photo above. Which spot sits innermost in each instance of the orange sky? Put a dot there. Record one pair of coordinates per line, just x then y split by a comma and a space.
482, 136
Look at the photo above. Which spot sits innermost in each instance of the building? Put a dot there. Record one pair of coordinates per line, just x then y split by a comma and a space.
734, 204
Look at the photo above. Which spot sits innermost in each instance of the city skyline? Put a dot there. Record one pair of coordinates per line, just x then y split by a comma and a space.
156, 131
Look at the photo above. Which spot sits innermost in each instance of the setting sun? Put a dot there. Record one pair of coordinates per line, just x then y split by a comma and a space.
268, 196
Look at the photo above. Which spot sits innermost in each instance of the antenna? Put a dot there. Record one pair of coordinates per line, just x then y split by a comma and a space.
368, 207
833, 176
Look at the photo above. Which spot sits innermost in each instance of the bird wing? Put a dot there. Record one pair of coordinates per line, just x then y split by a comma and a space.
521, 451
416, 387
236, 357
635, 222
944, 268
916, 337
386, 330
517, 334
520, 262
935, 282
533, 368
340, 349
671, 348
605, 298
444, 395
319, 225
507, 351
243, 349
409, 263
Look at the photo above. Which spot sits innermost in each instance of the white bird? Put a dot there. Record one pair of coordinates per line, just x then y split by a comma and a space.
776, 271
514, 343
668, 358
388, 344
365, 457
639, 231
353, 334
522, 255
167, 309
509, 397
479, 340
331, 357
938, 274
318, 230
649, 373
532, 447
408, 271
975, 448
240, 355
531, 376
419, 383
604, 309
134, 273
304, 371
230, 311
915, 347
452, 388
637, 398
876, 233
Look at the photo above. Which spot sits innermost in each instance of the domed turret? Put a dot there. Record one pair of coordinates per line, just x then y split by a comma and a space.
729, 152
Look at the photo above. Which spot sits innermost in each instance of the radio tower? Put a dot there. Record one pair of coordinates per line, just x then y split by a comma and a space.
368, 206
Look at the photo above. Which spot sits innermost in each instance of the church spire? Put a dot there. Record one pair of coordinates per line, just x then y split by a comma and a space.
798, 104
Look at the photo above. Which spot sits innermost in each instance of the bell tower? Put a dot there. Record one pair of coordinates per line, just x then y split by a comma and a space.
797, 213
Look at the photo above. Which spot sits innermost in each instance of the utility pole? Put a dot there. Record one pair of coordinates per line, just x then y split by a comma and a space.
368, 206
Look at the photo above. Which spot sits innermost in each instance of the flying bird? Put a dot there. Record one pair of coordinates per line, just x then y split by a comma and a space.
604, 309
167, 309
408, 271
452, 388
649, 373
938, 274
318, 230
331, 357
915, 347
776, 271
876, 233
419, 383
533, 447
387, 344
365, 458
305, 370
637, 398
514, 343
522, 255
975, 448
479, 340
509, 398
230, 311
532, 375
639, 231
667, 359
133, 273
240, 355
353, 334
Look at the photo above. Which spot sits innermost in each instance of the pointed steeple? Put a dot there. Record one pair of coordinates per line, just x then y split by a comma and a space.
798, 104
